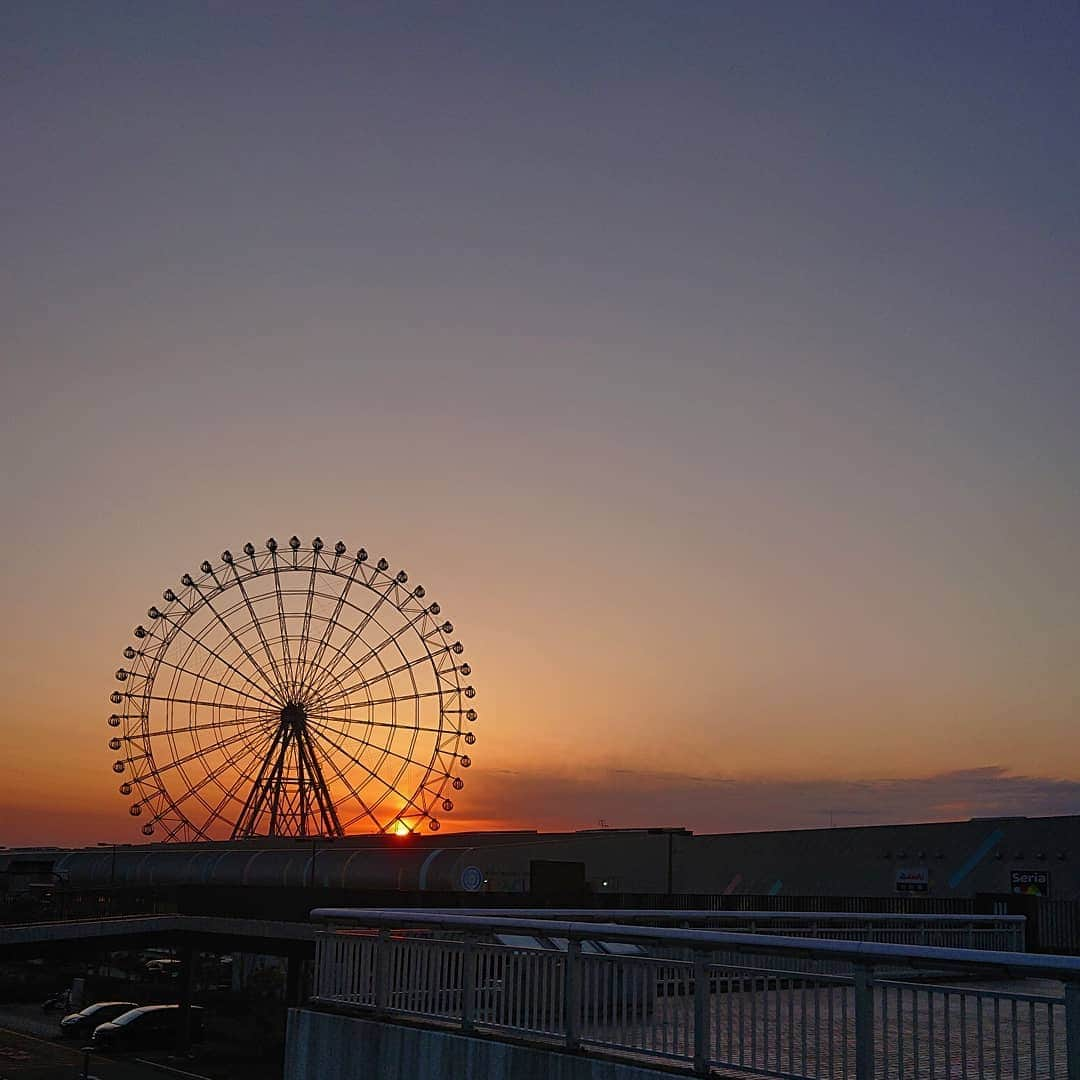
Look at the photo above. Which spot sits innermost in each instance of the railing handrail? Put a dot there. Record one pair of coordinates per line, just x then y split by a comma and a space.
28, 934
1019, 965
622, 915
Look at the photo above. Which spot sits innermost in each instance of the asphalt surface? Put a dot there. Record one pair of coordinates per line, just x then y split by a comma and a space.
28, 1057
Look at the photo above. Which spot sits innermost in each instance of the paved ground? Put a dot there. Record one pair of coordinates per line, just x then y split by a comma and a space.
30, 1050
26, 1057
30, 1020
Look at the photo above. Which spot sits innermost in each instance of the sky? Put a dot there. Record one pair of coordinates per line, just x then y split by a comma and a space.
714, 363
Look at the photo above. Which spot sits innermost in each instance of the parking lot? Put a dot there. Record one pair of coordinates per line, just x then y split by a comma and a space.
239, 1035
31, 1049
29, 1057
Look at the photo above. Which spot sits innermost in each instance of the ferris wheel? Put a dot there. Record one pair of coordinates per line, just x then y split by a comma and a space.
293, 691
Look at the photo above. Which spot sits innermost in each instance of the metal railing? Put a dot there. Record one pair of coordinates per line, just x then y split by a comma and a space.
1003, 933
604, 987
1058, 924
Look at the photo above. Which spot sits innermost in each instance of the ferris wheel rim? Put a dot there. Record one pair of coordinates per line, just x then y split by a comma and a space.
279, 686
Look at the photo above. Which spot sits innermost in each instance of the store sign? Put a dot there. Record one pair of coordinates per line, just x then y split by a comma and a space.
913, 879
1030, 882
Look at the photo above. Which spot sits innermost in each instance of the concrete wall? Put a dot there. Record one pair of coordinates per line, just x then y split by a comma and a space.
325, 1046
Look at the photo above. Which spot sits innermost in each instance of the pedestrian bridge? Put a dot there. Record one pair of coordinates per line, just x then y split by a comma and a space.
439, 996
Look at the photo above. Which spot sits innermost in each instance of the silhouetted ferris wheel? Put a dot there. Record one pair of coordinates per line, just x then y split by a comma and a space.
301, 691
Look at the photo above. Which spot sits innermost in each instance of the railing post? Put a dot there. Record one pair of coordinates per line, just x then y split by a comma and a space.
468, 983
572, 994
864, 1023
701, 1013
322, 966
1072, 1030
382, 971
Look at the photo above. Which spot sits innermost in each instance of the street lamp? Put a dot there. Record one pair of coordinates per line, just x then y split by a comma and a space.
314, 851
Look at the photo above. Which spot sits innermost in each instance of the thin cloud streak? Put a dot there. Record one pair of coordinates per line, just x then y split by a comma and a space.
624, 797
621, 797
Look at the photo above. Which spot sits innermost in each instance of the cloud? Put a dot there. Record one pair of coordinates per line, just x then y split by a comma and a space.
623, 797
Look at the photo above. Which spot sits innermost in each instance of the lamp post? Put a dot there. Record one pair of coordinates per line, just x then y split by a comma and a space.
315, 851
59, 881
110, 904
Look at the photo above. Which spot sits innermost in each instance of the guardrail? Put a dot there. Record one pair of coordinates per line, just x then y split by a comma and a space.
602, 987
998, 932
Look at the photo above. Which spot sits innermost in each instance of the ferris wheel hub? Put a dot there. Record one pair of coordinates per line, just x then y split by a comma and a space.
294, 716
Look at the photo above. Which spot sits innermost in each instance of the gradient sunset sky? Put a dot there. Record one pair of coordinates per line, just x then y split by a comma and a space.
714, 364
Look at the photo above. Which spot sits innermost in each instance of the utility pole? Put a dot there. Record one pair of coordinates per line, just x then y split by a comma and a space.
670, 861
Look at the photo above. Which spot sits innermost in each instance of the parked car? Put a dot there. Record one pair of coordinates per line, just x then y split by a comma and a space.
81, 1025
146, 1026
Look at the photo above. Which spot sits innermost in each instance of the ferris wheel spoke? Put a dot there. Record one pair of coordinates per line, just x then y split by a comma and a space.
186, 759
331, 718
390, 639
182, 830
289, 681
350, 788
386, 673
301, 649
215, 725
374, 775
397, 699
233, 634
197, 787
278, 681
261, 687
198, 702
214, 682
230, 795
332, 622
378, 749
355, 633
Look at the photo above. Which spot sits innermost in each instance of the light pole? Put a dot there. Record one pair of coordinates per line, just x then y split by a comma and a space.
315, 851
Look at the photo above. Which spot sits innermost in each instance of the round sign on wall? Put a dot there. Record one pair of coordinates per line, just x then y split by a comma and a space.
472, 878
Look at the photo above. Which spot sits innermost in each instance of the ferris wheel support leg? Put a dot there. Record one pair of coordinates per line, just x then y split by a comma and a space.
249, 814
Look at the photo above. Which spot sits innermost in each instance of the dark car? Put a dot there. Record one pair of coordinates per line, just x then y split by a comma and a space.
146, 1026
81, 1024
